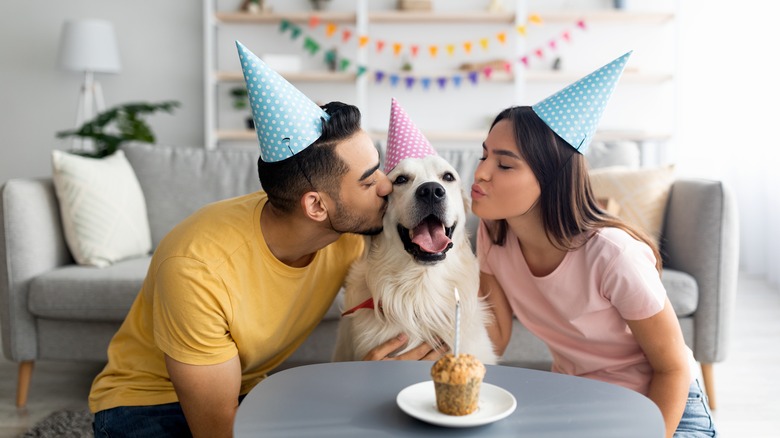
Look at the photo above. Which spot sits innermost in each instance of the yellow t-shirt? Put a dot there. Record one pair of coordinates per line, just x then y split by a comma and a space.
214, 290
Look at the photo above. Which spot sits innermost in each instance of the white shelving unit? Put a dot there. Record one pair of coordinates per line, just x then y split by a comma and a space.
222, 26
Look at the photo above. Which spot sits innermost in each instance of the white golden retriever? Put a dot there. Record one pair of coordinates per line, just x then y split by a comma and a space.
406, 281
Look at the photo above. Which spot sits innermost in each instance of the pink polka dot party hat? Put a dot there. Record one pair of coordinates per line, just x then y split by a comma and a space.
404, 139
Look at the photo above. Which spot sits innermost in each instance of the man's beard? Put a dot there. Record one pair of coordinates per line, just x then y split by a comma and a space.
345, 222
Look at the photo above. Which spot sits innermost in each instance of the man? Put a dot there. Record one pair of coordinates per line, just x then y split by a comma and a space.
235, 288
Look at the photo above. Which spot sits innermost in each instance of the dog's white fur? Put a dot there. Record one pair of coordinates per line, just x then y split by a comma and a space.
416, 298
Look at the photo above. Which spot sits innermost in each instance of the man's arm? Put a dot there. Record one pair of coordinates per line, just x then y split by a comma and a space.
208, 395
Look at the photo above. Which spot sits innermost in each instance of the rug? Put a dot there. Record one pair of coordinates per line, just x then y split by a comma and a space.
63, 424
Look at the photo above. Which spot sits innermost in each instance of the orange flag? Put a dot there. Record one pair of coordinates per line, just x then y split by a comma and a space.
397, 48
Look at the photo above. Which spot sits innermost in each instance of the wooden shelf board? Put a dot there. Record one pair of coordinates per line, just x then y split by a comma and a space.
236, 135
394, 16
309, 76
295, 17
605, 15
564, 76
440, 17
476, 135
479, 135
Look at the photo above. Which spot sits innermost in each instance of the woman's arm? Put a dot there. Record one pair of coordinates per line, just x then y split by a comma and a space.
661, 340
500, 329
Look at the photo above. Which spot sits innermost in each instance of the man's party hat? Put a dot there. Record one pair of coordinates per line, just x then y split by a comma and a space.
286, 121
574, 112
404, 140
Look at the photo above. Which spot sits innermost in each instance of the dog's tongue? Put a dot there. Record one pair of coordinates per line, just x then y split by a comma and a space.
430, 236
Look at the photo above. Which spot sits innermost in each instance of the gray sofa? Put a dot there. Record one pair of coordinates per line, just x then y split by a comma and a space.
53, 309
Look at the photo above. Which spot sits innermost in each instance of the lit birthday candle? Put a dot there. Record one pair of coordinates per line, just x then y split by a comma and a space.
456, 347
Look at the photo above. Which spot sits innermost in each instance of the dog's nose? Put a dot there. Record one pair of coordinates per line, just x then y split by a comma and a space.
431, 192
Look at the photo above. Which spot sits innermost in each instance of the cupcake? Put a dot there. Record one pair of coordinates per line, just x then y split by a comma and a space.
457, 382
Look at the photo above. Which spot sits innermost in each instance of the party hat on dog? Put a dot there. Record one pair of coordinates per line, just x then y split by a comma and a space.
286, 121
574, 112
404, 139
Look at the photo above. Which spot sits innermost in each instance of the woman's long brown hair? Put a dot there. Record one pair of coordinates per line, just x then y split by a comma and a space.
568, 206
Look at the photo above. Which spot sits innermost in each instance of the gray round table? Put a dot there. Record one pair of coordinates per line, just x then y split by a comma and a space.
359, 399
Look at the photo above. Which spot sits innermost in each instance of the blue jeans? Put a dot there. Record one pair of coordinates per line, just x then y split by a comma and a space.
143, 421
697, 418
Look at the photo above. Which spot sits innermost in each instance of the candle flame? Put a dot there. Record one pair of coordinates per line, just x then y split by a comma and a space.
457, 296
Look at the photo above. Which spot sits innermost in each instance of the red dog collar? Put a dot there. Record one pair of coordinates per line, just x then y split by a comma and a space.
367, 304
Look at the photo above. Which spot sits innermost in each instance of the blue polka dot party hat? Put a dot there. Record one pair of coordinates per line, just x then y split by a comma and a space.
574, 112
286, 121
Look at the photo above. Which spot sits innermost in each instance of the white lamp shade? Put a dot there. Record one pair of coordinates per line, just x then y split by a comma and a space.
89, 45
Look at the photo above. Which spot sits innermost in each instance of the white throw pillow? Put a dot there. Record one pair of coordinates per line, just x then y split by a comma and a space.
102, 207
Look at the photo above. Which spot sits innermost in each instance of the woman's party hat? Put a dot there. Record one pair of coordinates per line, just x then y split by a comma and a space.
404, 140
574, 112
286, 121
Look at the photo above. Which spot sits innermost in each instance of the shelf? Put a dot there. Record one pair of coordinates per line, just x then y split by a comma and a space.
362, 19
440, 17
308, 76
628, 76
477, 135
236, 135
295, 17
605, 15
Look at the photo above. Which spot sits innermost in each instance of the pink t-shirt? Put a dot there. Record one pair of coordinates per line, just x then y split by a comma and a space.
580, 309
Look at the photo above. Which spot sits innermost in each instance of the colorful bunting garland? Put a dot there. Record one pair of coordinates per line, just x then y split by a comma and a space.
312, 46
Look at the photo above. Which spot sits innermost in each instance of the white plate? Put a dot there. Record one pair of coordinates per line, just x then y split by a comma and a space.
419, 401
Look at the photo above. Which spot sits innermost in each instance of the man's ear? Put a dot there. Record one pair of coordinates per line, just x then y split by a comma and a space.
314, 206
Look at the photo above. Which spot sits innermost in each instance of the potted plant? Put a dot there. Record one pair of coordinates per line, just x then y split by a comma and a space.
241, 102
122, 123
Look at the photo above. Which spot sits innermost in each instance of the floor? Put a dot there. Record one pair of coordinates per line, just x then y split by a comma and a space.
747, 382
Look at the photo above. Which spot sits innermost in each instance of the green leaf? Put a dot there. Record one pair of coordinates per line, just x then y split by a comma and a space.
122, 123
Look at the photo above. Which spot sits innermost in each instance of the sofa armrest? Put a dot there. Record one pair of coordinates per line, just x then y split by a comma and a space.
701, 238
31, 242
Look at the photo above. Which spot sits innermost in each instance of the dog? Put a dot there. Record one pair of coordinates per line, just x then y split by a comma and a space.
405, 282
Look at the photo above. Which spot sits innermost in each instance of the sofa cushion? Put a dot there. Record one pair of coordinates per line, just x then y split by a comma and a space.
102, 208
86, 293
682, 290
177, 181
641, 194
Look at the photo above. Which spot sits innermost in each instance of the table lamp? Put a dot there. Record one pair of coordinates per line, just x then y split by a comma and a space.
89, 46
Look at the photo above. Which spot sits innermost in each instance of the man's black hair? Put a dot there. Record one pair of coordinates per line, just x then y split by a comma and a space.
317, 167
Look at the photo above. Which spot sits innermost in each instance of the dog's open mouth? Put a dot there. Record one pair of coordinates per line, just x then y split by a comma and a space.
429, 241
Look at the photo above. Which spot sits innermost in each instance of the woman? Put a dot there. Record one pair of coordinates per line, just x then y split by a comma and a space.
584, 282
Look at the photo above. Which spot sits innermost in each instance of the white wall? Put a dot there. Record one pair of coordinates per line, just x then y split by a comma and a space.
161, 46
161, 53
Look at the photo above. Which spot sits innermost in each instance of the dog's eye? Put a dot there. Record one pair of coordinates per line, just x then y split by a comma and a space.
448, 177
400, 179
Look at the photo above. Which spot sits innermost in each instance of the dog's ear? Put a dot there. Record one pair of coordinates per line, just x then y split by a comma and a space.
466, 201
